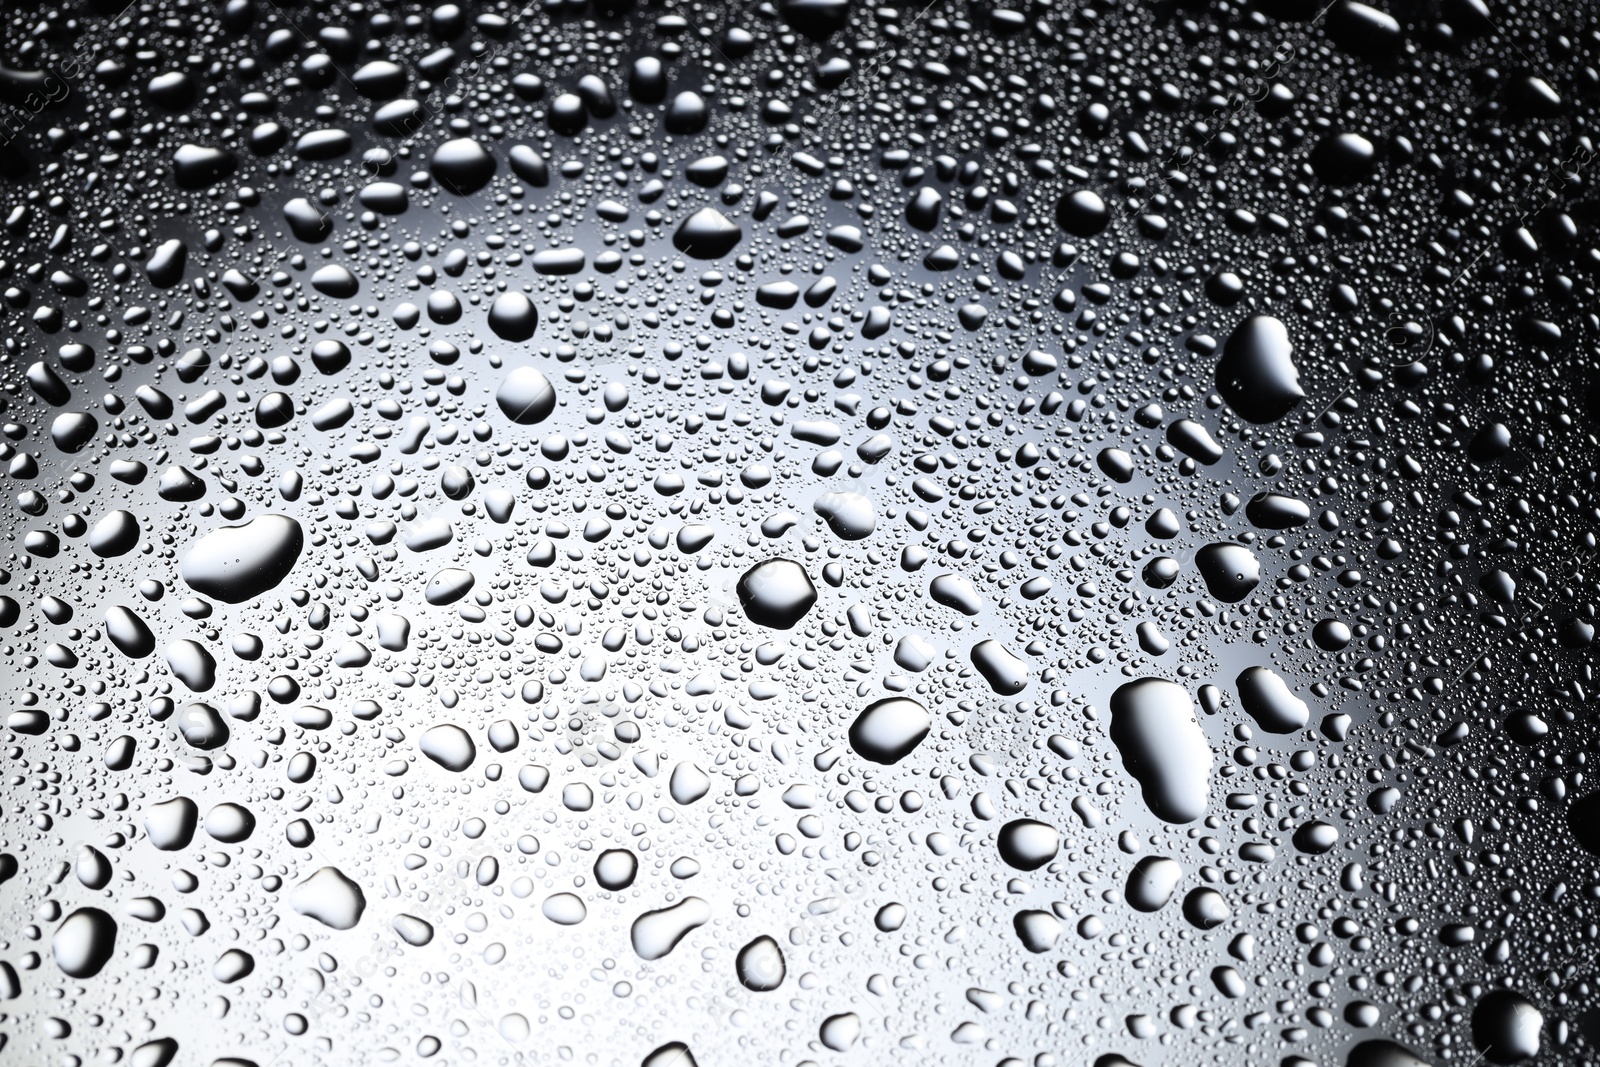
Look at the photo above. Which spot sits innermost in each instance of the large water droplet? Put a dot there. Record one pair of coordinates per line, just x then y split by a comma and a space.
170, 824
192, 665
230, 823
672, 1054
1162, 747
463, 166
1231, 572
1256, 374
1583, 819
85, 942
707, 234
526, 397
1506, 1027
513, 317
890, 729
1006, 674
115, 535
1383, 1053
615, 869
1343, 158
1082, 213
412, 930
777, 593
1151, 883
233, 965
1028, 844
565, 909
330, 898
760, 965
656, 933
129, 632
238, 563
1037, 930
850, 515
688, 783
449, 746
1270, 702
839, 1032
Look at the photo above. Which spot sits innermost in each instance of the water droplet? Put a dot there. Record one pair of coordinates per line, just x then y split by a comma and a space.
656, 933
449, 746
777, 593
1231, 572
238, 563
615, 869
1151, 883
707, 234
839, 1032
170, 824
412, 930
85, 942
849, 515
526, 397
1082, 213
889, 730
1162, 747
329, 897
463, 166
1270, 702
513, 317
1506, 1027
1028, 844
760, 965
1256, 374
1005, 673
672, 1054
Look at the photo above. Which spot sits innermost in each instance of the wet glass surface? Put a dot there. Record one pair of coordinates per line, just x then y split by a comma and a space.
799, 533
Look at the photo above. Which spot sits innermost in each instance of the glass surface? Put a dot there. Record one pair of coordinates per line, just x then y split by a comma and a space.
799, 533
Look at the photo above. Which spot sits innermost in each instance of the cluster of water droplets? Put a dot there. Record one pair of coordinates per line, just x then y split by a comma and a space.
798, 533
